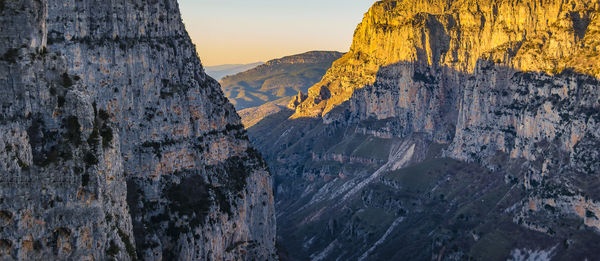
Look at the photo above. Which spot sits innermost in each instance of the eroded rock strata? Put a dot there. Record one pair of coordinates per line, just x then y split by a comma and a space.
507, 88
115, 144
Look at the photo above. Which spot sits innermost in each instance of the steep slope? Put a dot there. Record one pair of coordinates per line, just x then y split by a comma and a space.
115, 144
254, 115
277, 78
220, 71
366, 167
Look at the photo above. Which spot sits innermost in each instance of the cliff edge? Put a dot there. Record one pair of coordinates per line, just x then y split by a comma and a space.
115, 143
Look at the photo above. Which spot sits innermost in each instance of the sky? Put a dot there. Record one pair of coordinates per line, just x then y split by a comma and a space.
247, 31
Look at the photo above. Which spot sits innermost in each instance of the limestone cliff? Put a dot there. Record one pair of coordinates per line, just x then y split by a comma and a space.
532, 35
115, 143
507, 88
490, 78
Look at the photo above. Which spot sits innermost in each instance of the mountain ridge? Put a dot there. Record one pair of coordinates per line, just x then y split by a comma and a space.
220, 71
277, 78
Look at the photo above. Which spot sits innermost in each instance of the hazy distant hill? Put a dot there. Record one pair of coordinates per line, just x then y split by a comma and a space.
277, 78
220, 71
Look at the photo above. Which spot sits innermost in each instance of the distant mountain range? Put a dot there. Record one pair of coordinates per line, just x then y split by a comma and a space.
220, 71
277, 78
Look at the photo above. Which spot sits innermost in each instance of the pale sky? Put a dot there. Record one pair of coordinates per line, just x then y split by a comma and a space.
247, 31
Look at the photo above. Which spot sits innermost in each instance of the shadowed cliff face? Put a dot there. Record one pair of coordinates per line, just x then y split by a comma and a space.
116, 144
361, 179
495, 110
507, 88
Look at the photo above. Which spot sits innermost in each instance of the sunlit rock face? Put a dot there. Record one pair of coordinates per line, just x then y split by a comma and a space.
493, 79
501, 74
115, 143
510, 86
530, 35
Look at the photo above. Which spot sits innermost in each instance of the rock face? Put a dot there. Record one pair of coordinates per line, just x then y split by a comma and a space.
505, 87
115, 143
489, 77
277, 79
531, 35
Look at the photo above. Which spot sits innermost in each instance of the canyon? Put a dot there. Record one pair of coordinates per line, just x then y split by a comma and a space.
451, 130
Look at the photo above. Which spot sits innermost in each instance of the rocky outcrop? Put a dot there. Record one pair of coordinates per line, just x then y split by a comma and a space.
115, 144
297, 100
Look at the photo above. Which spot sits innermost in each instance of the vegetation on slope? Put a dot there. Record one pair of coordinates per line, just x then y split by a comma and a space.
277, 78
